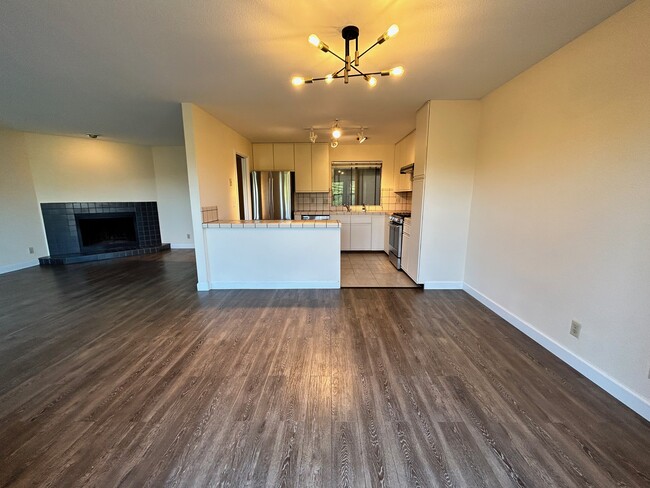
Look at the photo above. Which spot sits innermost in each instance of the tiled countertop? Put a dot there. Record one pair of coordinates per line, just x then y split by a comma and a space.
252, 224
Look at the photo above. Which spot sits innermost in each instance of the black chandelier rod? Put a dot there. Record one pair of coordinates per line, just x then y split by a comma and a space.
322, 78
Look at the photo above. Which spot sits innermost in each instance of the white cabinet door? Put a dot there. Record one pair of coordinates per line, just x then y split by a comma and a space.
345, 236
377, 243
406, 254
283, 157
302, 158
360, 236
386, 233
320, 168
263, 157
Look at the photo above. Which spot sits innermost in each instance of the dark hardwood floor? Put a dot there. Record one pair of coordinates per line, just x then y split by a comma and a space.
120, 373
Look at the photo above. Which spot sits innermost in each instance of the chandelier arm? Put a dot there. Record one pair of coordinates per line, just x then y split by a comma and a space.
375, 44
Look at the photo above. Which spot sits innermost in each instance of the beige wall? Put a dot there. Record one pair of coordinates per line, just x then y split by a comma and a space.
560, 221
21, 225
216, 145
72, 169
173, 194
367, 152
210, 148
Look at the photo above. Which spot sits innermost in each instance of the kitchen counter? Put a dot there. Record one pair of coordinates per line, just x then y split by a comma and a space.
249, 224
255, 254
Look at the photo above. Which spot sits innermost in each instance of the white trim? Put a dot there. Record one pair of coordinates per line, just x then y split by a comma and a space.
8, 268
202, 286
636, 402
182, 246
443, 285
273, 285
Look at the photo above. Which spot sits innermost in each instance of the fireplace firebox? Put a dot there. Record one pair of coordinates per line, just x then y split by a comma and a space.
106, 232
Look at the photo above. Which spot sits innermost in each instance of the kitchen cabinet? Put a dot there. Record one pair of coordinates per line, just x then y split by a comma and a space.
386, 233
406, 251
303, 164
420, 141
404, 155
361, 233
283, 157
320, 168
378, 232
263, 157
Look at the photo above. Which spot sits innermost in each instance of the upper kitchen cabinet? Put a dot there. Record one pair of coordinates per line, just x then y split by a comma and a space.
404, 156
420, 141
320, 168
283, 157
263, 157
302, 157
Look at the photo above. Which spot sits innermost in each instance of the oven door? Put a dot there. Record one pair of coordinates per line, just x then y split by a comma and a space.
395, 244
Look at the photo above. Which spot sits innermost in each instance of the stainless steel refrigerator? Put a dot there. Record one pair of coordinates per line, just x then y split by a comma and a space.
272, 195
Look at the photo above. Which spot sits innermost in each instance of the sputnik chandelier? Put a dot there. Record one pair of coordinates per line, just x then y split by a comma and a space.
350, 68
336, 131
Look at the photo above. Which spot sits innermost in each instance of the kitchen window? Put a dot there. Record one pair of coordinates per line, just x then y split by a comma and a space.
356, 183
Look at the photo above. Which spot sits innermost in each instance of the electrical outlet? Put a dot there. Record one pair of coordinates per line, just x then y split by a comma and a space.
31, 250
188, 236
649, 374
230, 181
575, 329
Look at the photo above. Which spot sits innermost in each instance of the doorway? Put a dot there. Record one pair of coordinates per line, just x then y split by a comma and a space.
243, 193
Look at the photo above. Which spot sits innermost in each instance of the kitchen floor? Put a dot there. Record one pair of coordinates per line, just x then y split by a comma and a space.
371, 270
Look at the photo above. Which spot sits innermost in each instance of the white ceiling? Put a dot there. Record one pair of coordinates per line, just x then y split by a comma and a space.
120, 68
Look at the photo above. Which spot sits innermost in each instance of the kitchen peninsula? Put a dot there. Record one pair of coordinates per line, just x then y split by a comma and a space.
248, 254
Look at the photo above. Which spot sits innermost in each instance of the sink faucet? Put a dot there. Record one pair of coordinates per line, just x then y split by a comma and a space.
347, 207
364, 207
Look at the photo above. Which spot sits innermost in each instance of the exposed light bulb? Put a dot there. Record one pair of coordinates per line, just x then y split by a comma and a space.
297, 81
314, 40
397, 71
361, 137
372, 81
329, 79
336, 132
392, 31
334, 143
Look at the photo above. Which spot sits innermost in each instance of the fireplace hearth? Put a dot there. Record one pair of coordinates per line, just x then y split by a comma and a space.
91, 231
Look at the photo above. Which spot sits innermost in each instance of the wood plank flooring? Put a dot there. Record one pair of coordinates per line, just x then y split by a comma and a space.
120, 374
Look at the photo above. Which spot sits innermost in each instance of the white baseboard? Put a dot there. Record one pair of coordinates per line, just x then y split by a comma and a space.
443, 285
203, 286
273, 285
637, 403
182, 246
8, 268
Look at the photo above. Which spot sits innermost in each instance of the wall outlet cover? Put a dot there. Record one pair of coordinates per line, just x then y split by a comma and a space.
575, 329
31, 250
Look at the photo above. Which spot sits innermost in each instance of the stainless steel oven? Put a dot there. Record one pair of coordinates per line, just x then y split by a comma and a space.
396, 222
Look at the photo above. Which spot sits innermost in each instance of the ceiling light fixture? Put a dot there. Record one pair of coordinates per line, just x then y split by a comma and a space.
336, 130
351, 33
93, 136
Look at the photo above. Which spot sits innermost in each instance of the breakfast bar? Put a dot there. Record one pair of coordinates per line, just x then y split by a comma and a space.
254, 254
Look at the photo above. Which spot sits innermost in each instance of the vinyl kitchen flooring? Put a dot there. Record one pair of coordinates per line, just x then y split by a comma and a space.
119, 373
371, 270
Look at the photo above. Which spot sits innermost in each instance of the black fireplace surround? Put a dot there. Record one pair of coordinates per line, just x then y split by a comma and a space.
90, 231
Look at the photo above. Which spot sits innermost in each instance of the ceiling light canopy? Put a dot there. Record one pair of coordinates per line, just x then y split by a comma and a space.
350, 68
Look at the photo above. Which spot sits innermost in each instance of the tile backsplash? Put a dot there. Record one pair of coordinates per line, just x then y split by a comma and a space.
321, 203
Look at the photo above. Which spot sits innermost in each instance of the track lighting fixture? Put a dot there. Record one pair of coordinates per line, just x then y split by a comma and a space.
336, 132
350, 68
